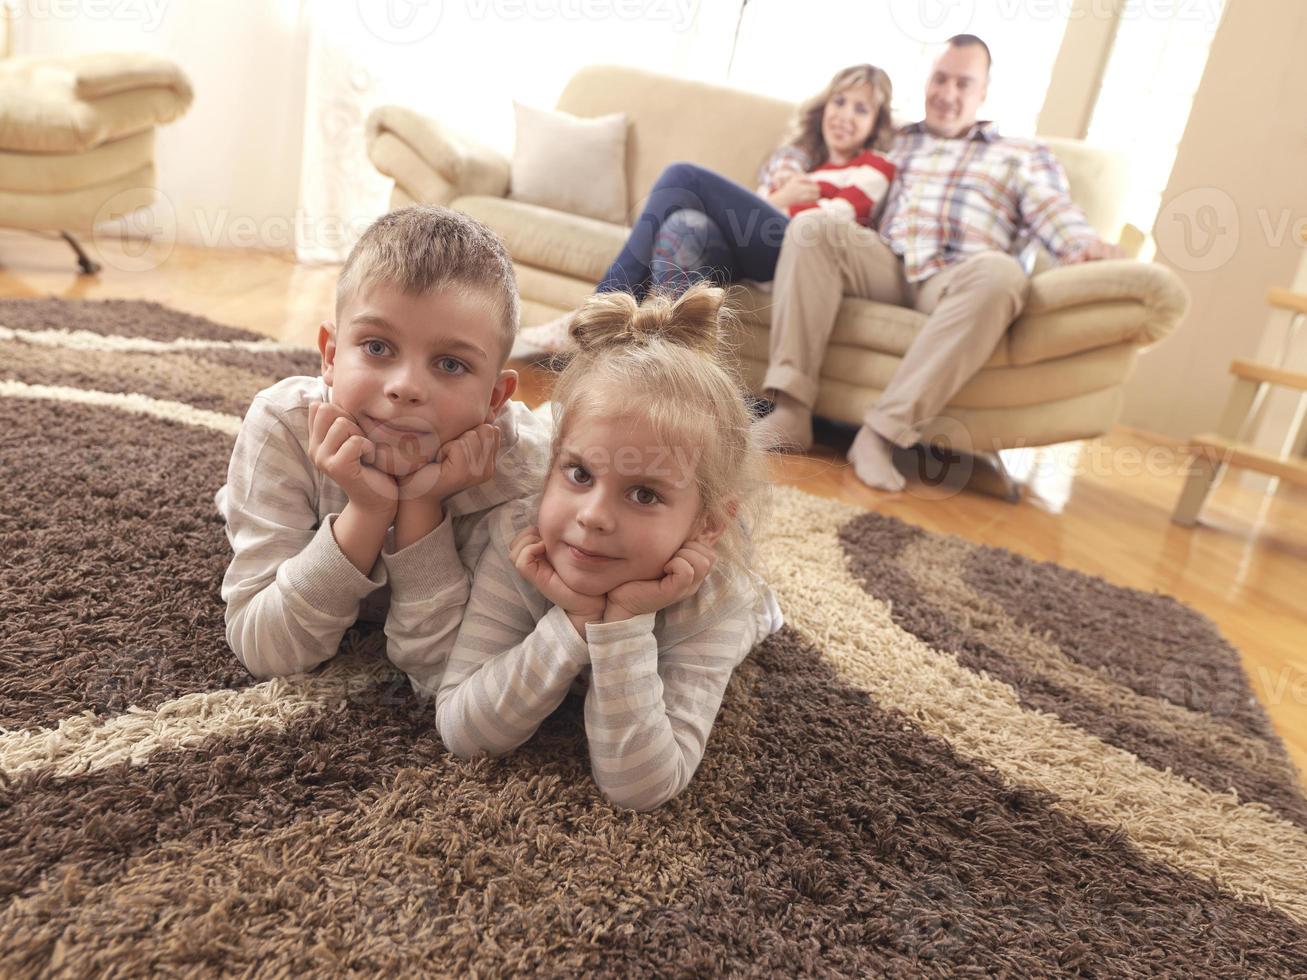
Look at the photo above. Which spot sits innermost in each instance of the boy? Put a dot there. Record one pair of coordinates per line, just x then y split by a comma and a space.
363, 493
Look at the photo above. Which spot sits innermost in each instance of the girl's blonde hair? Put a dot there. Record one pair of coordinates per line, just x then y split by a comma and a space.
806, 130
665, 361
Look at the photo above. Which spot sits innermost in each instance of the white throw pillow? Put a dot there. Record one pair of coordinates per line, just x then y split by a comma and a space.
571, 164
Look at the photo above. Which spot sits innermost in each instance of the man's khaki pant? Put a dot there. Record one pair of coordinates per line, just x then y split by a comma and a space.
970, 304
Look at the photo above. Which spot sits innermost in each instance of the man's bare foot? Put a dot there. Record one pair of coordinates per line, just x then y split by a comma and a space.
788, 429
541, 342
872, 457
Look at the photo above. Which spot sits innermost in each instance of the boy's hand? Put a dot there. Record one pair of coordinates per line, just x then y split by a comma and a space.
681, 577
338, 448
527, 552
460, 463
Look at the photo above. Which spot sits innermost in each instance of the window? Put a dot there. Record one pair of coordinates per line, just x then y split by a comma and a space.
791, 50
1148, 88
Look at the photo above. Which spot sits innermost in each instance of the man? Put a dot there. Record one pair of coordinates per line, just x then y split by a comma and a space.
964, 200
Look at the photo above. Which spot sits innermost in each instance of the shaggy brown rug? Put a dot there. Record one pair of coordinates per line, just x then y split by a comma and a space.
952, 760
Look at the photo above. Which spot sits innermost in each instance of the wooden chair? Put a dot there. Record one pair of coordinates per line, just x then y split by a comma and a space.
1213, 451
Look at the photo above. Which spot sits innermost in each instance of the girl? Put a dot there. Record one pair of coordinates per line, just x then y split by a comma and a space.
698, 225
627, 577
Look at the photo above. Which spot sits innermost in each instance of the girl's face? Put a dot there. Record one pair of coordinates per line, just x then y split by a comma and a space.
617, 505
847, 120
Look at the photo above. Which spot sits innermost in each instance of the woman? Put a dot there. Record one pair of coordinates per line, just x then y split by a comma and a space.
699, 225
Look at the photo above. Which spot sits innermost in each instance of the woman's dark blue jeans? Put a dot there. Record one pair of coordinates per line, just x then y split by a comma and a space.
744, 244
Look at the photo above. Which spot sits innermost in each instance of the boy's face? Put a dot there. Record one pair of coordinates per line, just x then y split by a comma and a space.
415, 371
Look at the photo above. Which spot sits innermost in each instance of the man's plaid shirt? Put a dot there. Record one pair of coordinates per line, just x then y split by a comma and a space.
979, 192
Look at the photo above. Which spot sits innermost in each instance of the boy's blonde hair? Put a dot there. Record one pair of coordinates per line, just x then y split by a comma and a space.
424, 247
665, 360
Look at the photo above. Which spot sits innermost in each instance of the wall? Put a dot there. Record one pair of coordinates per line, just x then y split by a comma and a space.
1078, 71
1229, 213
236, 154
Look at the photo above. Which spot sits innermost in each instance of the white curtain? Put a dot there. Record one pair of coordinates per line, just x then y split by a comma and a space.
339, 189
1157, 59
464, 63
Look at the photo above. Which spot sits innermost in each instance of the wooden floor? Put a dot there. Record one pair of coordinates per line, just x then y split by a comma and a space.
1101, 507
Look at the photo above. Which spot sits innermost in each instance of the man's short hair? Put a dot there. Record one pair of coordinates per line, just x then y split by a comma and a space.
970, 41
424, 247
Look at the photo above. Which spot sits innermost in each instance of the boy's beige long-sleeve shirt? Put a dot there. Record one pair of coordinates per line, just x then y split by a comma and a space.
290, 591
655, 682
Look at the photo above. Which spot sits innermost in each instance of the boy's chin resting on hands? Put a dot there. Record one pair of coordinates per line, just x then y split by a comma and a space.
399, 452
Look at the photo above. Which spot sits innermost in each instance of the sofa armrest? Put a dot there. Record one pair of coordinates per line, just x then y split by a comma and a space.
1080, 307
430, 163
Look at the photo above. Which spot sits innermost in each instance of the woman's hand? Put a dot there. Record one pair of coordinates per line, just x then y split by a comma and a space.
795, 189
681, 577
527, 552
339, 449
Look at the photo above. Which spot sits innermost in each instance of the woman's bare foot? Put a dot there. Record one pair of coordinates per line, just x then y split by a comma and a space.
872, 457
788, 429
541, 342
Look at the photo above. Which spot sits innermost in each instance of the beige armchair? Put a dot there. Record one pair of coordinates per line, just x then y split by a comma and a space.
77, 138
1058, 374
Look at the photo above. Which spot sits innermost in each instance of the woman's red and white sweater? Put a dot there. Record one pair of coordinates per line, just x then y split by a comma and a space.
853, 189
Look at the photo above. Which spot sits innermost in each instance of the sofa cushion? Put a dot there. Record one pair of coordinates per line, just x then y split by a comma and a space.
733, 139
549, 239
860, 323
80, 209
47, 173
570, 164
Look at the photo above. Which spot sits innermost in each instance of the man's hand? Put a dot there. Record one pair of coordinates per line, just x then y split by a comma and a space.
460, 463
527, 552
1095, 251
681, 577
338, 448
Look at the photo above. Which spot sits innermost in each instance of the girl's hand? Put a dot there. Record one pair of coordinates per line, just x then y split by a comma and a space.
460, 463
338, 448
681, 577
527, 552
799, 189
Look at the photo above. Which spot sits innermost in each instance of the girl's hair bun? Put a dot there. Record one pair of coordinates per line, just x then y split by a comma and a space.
695, 319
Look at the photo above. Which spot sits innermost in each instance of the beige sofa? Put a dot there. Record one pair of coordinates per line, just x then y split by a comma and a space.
77, 138
1057, 375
